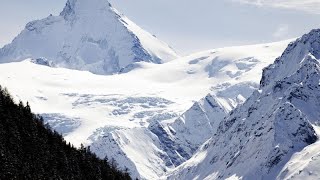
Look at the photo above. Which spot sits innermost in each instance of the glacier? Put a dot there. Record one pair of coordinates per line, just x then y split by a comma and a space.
145, 118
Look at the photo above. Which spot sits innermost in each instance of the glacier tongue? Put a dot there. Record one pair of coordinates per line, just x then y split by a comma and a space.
88, 35
259, 138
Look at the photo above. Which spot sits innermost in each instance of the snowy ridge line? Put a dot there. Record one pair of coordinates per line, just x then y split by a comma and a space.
268, 136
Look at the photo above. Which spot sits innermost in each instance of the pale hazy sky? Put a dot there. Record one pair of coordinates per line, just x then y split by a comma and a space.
188, 26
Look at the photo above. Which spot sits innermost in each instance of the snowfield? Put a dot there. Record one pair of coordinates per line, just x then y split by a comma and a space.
138, 118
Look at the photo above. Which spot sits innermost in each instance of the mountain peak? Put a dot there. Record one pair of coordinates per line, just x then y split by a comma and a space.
259, 137
88, 35
292, 58
74, 6
87, 4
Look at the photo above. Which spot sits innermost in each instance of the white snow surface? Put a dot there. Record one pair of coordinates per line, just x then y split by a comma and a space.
274, 134
139, 118
304, 164
88, 35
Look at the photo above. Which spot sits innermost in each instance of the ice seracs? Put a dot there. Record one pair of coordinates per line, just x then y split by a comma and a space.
42, 61
88, 35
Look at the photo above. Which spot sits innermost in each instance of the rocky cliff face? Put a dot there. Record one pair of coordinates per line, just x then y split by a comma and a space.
260, 136
183, 136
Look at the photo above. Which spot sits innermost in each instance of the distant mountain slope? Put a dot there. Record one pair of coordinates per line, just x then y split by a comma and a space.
274, 125
31, 150
142, 113
88, 35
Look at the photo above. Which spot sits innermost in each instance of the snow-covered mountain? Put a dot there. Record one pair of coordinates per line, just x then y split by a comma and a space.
87, 35
139, 118
273, 134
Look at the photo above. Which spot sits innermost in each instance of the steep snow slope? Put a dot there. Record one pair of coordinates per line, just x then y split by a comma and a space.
184, 135
305, 164
87, 35
259, 137
118, 115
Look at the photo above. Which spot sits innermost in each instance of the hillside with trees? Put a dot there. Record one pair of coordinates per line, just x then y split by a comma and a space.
29, 149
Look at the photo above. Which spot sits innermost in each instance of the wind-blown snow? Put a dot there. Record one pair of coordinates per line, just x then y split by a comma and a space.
136, 117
